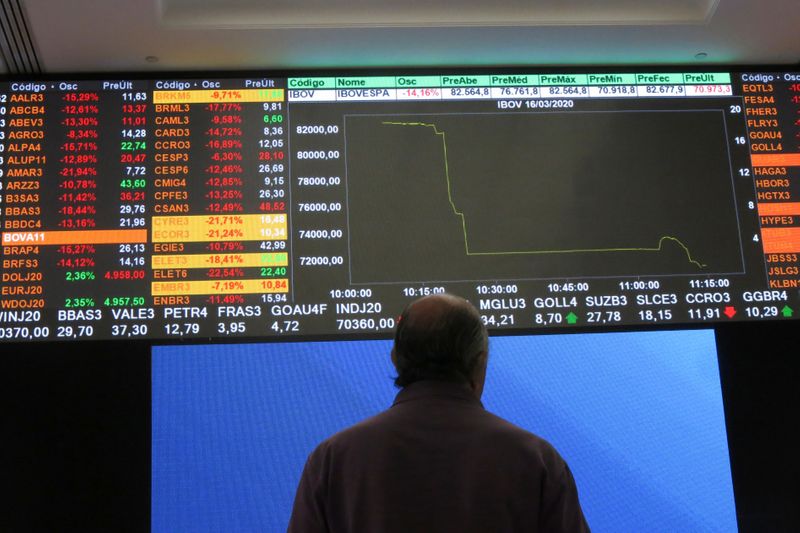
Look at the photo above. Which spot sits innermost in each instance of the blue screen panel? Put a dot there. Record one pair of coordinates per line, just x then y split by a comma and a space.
638, 416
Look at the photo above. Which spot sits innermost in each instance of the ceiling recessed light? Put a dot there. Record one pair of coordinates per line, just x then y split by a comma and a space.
151, 59
700, 55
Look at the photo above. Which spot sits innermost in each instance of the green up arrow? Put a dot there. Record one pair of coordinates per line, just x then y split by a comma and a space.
572, 318
787, 311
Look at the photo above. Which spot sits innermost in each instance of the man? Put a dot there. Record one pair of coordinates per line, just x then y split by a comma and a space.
436, 460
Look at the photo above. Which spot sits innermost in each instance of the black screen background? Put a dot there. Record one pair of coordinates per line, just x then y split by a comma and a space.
76, 429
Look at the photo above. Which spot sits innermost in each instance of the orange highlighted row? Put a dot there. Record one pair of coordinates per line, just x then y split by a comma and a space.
94, 236
203, 287
781, 240
779, 209
207, 228
206, 96
775, 160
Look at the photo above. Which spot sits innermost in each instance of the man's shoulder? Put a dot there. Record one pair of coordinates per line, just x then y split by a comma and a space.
513, 438
484, 429
366, 429
345, 438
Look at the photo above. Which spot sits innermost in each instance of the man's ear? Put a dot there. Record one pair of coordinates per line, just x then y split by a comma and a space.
483, 360
478, 379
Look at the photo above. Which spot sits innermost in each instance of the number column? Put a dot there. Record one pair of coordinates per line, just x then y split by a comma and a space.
96, 223
125, 275
319, 199
78, 178
272, 177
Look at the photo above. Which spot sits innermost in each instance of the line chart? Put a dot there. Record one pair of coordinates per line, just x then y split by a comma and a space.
527, 195
442, 134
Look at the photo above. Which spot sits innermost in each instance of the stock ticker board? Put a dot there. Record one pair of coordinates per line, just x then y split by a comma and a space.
264, 206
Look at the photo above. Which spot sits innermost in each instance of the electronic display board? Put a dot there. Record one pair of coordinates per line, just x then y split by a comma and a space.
241, 419
179, 208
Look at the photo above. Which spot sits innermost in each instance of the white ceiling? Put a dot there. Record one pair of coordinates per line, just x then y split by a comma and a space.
255, 14
118, 35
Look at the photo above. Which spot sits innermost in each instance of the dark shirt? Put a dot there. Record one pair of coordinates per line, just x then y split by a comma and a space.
436, 461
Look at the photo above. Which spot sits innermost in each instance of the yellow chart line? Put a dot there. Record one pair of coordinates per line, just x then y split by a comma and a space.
460, 214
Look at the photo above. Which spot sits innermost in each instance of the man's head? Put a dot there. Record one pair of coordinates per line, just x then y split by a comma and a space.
441, 337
